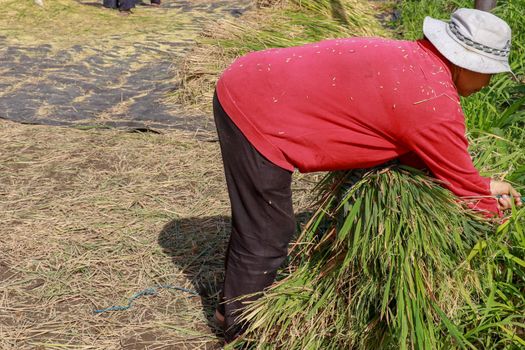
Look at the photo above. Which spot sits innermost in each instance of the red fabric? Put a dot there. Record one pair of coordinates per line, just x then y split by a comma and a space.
354, 103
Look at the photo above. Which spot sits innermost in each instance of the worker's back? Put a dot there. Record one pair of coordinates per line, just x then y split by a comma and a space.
335, 104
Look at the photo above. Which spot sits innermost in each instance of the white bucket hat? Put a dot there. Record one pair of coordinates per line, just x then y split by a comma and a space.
473, 39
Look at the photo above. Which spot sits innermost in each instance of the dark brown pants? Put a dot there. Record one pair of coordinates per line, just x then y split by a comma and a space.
263, 220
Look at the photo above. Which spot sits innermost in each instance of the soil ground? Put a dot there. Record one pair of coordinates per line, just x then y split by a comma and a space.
91, 217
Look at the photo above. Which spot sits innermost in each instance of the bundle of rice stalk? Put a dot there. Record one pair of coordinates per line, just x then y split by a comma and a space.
380, 265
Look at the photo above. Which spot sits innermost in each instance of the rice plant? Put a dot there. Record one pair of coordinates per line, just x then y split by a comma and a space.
382, 264
498, 320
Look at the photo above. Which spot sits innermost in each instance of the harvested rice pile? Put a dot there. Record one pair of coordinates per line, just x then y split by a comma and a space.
387, 263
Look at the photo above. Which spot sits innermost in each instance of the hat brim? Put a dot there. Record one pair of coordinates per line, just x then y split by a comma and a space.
436, 31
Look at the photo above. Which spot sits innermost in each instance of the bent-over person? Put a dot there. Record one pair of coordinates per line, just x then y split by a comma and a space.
345, 104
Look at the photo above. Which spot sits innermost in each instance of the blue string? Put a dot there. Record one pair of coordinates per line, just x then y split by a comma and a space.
147, 291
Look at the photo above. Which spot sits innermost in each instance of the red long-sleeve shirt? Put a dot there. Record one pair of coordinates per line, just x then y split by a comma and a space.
354, 103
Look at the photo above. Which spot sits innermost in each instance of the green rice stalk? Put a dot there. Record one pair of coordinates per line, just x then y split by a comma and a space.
381, 265
498, 320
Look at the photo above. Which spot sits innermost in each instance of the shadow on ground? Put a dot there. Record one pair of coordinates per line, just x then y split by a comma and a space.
197, 247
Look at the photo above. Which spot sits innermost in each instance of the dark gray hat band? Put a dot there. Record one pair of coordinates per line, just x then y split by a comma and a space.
454, 29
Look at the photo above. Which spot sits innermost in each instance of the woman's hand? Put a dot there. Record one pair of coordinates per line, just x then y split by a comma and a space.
505, 190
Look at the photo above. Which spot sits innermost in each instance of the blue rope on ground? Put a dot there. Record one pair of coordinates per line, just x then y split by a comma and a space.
147, 291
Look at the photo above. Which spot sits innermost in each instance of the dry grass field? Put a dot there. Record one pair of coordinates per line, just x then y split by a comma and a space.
91, 217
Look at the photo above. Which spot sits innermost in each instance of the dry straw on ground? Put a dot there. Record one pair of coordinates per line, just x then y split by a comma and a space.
91, 217
63, 23
83, 212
